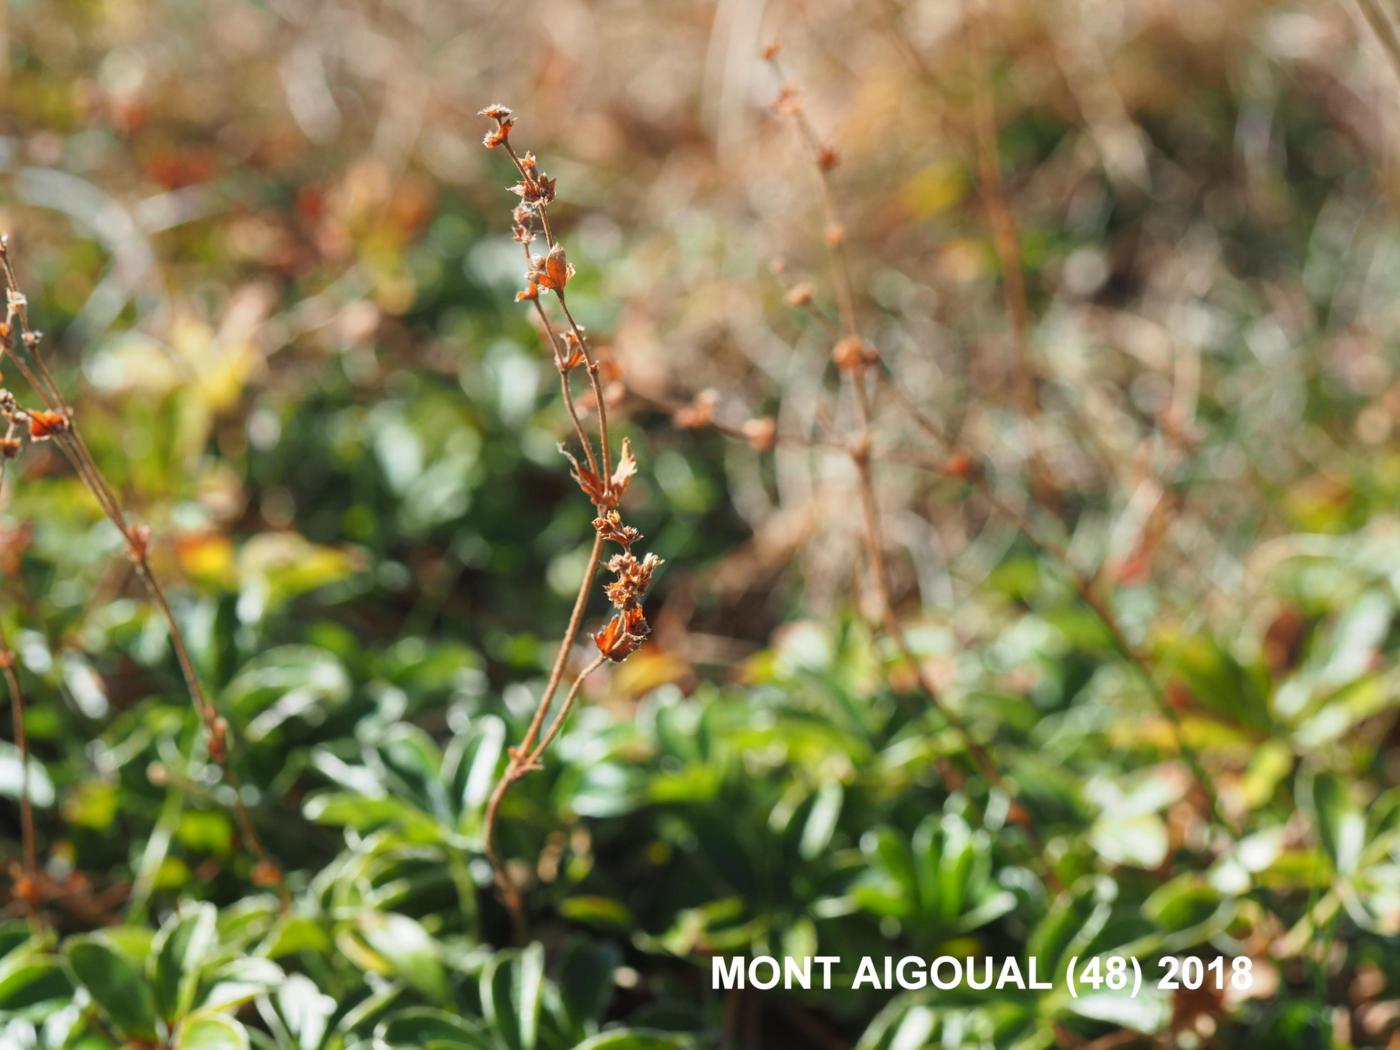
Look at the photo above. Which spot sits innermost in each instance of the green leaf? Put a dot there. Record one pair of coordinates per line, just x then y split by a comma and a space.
29, 980
14, 933
240, 981
352, 810
511, 985
211, 1032
470, 765
1148, 1012
295, 934
597, 911
1140, 841
413, 765
821, 821
1340, 823
587, 977
633, 1039
409, 949
178, 952
305, 1010
12, 776
287, 682
115, 983
419, 1027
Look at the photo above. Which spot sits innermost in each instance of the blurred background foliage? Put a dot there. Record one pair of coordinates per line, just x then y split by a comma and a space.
274, 267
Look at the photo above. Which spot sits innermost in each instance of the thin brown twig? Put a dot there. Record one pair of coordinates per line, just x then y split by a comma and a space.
542, 212
28, 891
600, 482
1006, 241
523, 757
854, 363
22, 347
1013, 282
1085, 587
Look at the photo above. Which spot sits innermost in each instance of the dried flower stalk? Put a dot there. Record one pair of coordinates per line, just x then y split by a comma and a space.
1007, 243
26, 885
55, 423
855, 357
604, 483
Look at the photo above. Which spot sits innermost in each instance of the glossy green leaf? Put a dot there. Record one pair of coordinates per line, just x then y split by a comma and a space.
210, 1032
115, 983
178, 953
511, 987
409, 949
420, 1027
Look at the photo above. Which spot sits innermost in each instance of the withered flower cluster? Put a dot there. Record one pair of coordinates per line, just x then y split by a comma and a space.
38, 424
603, 481
600, 481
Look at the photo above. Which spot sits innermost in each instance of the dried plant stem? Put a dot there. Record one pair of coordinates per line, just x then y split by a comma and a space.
28, 836
565, 388
1018, 310
593, 369
1005, 238
525, 757
570, 350
1085, 589
603, 486
564, 708
589, 363
137, 540
872, 533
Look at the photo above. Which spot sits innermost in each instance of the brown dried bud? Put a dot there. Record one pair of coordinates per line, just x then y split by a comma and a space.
610, 527
553, 271
497, 112
265, 873
535, 189
10, 447
761, 433
828, 158
771, 51
218, 740
799, 295
44, 423
633, 578
623, 633
27, 890
788, 102
959, 465
699, 413
850, 353
139, 536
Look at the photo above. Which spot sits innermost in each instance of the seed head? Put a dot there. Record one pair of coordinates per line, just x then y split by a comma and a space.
553, 271
44, 424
